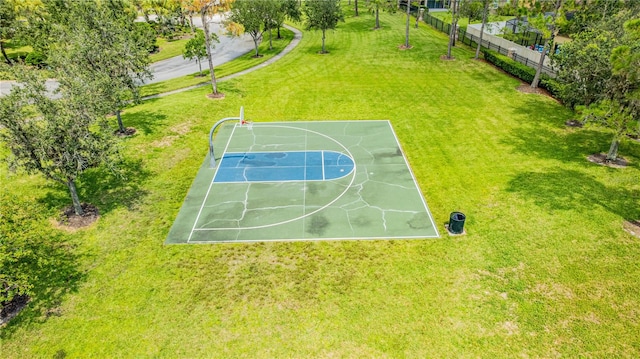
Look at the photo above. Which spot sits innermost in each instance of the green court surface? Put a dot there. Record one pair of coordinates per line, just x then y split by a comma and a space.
290, 181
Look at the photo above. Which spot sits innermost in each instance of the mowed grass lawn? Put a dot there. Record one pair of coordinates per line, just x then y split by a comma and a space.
168, 49
545, 269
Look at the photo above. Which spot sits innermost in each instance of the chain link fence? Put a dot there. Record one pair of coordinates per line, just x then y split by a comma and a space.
472, 40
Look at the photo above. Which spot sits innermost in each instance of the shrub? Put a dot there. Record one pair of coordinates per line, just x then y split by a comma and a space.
521, 71
36, 58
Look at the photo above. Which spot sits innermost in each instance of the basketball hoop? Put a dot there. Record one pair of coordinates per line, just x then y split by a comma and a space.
247, 124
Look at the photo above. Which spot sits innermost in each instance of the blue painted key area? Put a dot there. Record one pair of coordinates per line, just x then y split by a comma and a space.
283, 166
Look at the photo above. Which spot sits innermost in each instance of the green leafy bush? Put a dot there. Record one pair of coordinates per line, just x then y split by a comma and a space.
521, 71
36, 58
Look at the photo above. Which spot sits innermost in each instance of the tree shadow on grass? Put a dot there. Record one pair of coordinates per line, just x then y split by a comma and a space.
543, 134
364, 23
105, 188
230, 88
146, 122
562, 189
53, 264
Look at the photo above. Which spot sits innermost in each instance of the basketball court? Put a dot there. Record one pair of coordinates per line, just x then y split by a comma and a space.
303, 181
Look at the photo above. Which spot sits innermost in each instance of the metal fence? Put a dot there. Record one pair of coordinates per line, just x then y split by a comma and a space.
472, 40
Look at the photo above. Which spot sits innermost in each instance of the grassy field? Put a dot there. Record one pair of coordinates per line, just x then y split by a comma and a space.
463, 22
168, 49
545, 269
16, 51
239, 64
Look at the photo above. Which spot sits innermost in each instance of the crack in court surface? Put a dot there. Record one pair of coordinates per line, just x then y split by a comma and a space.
379, 199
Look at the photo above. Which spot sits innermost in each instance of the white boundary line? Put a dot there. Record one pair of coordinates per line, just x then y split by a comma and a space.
210, 185
304, 175
312, 239
415, 182
292, 219
437, 235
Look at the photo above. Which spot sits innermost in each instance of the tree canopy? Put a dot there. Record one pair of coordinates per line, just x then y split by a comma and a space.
196, 48
323, 15
101, 46
58, 137
254, 18
599, 71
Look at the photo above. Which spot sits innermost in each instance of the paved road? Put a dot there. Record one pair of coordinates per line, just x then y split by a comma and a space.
294, 42
229, 48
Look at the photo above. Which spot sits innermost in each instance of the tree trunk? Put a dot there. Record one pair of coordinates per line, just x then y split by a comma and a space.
193, 28
207, 35
121, 128
612, 155
77, 206
485, 11
279, 35
356, 2
548, 44
452, 29
323, 36
255, 44
454, 21
4, 53
536, 78
270, 40
406, 37
377, 18
199, 65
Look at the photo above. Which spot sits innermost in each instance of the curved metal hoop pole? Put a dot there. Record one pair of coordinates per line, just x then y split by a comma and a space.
212, 158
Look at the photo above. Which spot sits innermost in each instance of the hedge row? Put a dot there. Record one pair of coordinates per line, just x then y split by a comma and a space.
521, 71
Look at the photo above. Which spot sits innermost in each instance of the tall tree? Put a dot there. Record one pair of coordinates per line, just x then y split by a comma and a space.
208, 8
600, 72
455, 14
59, 138
291, 10
254, 16
406, 32
471, 9
196, 48
103, 40
375, 6
547, 26
485, 15
323, 15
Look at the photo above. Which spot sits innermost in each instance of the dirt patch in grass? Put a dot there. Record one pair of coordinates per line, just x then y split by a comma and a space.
216, 96
574, 123
445, 58
129, 131
632, 227
182, 128
69, 220
164, 142
403, 47
10, 309
526, 88
601, 159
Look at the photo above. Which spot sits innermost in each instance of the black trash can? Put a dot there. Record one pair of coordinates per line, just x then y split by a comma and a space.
456, 222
